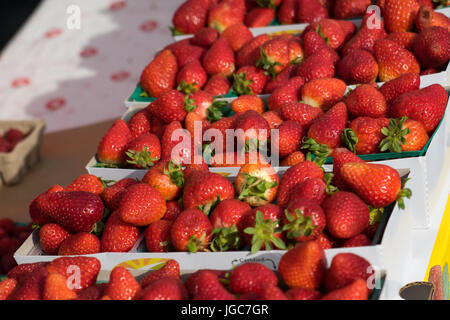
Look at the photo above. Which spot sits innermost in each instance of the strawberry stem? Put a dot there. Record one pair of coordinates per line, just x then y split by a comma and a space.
327, 178
403, 193
241, 85
255, 187
264, 233
187, 88
189, 105
215, 111
265, 64
349, 139
298, 225
142, 158
395, 135
175, 173
225, 239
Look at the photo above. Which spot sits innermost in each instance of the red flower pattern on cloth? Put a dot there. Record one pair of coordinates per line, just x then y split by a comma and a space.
149, 26
88, 52
53, 33
117, 5
20, 82
55, 104
120, 76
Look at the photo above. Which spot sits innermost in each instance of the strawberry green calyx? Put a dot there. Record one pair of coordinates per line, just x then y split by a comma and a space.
187, 88
264, 233
175, 173
319, 31
375, 215
254, 144
175, 32
215, 111
395, 135
255, 187
189, 105
441, 3
106, 183
99, 227
349, 139
327, 178
298, 225
225, 239
241, 85
142, 158
321, 151
207, 208
317, 160
403, 193
267, 65
197, 244
266, 3
144, 94
108, 165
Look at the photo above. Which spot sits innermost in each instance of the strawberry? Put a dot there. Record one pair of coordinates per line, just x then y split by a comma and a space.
88, 268
303, 294
300, 112
226, 13
94, 292
426, 105
293, 159
252, 130
14, 136
303, 266
346, 268
5, 146
112, 147
113, 195
346, 9
225, 218
400, 16
55, 288
167, 178
360, 240
304, 220
82, 243
51, 236
330, 30
257, 184
157, 236
170, 269
393, 60
271, 292
432, 47
315, 67
366, 101
173, 143
294, 176
144, 151
171, 106
190, 168
187, 53
237, 36
281, 79
217, 85
364, 135
291, 134
347, 215
291, 92
140, 123
310, 11
118, 236
22, 271
88, 183
259, 17
205, 37
191, 231
248, 102
122, 285
194, 281
32, 286
274, 56
314, 189
323, 93
7, 287
426, 17
168, 288
358, 66
249, 80
340, 157
326, 241
273, 118
357, 290
404, 38
250, 52
396, 87
192, 76
429, 71
142, 205
251, 277
159, 75
287, 12
76, 211
404, 135
377, 184
190, 17
219, 59
261, 230
208, 287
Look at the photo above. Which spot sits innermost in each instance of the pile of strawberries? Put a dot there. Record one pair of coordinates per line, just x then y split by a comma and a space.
10, 139
303, 271
12, 236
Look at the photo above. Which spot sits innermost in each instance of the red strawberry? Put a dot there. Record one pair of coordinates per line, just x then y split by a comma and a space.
51, 236
157, 236
346, 9
366, 101
310, 11
112, 147
55, 288
251, 277
187, 53
252, 130
22, 271
324, 93
94, 292
427, 17
259, 17
426, 105
226, 13
340, 157
237, 36
167, 178
205, 37
142, 205
358, 66
294, 176
303, 294
113, 195
287, 12
250, 52
314, 43
140, 123
315, 67
330, 30
290, 92
88, 183
82, 243
314, 189
192, 283
249, 80
76, 211
248, 102
304, 220
396, 87
404, 135
291, 134
88, 268
303, 266
274, 56
432, 47
191, 76
326, 242
357, 290
273, 118
400, 16
190, 17
347, 215
159, 75
13, 136
208, 287
190, 168
217, 85
404, 38
293, 159
32, 286
301, 112
191, 231
144, 151
122, 285
272, 293
281, 79
219, 59
365, 134
7, 287
377, 184
171, 106
173, 145
118, 236
168, 288
170, 269
360, 240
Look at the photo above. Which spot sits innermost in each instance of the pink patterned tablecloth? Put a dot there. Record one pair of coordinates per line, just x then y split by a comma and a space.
74, 76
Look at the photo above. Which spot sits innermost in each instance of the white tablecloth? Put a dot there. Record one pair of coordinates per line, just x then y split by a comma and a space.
74, 77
